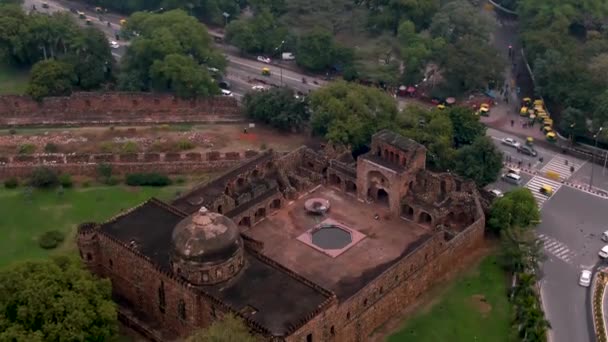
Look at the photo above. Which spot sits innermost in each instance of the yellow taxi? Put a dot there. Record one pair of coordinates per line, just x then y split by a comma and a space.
266, 71
546, 190
484, 109
551, 137
548, 122
538, 102
123, 22
441, 106
527, 101
547, 129
523, 111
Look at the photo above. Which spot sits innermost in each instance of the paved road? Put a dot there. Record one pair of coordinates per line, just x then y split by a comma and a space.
572, 223
241, 72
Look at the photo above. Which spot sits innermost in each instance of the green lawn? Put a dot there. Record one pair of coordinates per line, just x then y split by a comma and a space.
474, 308
12, 81
22, 220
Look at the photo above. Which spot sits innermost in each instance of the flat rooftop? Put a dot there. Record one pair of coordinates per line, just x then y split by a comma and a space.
386, 241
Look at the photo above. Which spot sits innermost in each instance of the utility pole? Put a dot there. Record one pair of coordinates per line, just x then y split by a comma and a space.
280, 49
593, 158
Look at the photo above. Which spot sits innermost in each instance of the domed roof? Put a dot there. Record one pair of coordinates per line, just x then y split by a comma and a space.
205, 236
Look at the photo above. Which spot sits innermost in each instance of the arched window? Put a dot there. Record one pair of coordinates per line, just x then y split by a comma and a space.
181, 310
161, 297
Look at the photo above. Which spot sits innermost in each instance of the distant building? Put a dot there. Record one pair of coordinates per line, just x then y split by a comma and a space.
305, 246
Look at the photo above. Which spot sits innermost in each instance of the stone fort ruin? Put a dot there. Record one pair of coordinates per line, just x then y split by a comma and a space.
310, 245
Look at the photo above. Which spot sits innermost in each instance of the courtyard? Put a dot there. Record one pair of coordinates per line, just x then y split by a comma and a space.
377, 241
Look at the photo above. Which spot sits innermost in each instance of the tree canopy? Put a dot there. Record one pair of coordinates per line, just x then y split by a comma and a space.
55, 300
516, 209
229, 329
172, 52
350, 113
277, 107
480, 161
50, 78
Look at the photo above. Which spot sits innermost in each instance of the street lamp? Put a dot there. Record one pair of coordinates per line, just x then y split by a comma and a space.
280, 56
593, 157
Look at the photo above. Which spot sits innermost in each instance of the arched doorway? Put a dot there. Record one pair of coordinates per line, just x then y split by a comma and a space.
425, 219
351, 187
260, 214
245, 221
276, 204
407, 212
220, 209
382, 197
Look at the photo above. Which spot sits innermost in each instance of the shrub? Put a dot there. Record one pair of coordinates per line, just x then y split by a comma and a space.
51, 239
184, 145
129, 147
43, 177
107, 147
26, 149
147, 179
86, 184
11, 183
112, 181
104, 171
66, 180
12, 131
180, 180
51, 148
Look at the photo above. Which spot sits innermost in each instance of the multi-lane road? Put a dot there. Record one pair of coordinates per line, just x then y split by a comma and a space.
242, 73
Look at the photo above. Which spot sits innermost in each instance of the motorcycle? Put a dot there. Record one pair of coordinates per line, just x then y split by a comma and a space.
304, 80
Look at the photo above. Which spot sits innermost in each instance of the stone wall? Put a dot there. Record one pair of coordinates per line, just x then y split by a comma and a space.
86, 164
114, 108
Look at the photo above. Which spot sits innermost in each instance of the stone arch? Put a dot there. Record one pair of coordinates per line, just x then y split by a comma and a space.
351, 186
335, 180
443, 187
377, 178
260, 213
425, 219
385, 153
275, 204
324, 172
255, 173
227, 190
407, 212
220, 209
269, 165
245, 221
382, 197
240, 181
403, 161
391, 157
379, 152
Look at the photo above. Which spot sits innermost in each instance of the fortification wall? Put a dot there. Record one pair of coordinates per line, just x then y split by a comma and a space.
21, 166
114, 108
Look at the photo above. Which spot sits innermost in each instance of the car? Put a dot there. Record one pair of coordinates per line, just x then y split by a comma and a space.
527, 150
114, 44
512, 178
224, 84
496, 193
264, 59
605, 236
226, 92
45, 5
510, 142
585, 278
259, 88
213, 69
604, 252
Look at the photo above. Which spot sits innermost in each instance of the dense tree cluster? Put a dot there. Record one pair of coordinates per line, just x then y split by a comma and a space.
64, 55
171, 52
229, 329
279, 108
516, 209
55, 300
566, 43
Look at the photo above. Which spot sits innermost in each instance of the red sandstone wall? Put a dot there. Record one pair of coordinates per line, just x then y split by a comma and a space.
395, 289
115, 108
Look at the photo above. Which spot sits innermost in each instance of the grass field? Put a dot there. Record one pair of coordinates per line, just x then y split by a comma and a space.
474, 308
12, 81
23, 220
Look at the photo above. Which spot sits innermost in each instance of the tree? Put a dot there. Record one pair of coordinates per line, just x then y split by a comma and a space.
521, 250
457, 19
55, 300
229, 329
50, 78
43, 177
315, 50
260, 34
466, 125
516, 209
573, 122
153, 56
480, 161
277, 107
181, 74
350, 113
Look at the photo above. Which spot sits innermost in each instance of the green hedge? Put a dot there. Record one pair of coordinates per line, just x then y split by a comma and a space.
147, 179
51, 239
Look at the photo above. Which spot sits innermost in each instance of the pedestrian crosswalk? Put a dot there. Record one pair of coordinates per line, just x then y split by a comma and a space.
563, 166
558, 249
536, 183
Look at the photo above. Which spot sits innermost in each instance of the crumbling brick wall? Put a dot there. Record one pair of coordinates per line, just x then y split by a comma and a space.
115, 108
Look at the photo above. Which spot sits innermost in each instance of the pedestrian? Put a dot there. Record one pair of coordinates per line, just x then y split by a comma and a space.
507, 99
512, 123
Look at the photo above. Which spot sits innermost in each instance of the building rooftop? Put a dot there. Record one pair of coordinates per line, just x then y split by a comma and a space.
397, 140
147, 229
269, 295
386, 241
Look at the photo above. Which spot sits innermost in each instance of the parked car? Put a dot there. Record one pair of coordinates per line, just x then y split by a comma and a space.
512, 178
605, 236
258, 88
510, 142
496, 193
226, 92
264, 59
114, 44
604, 252
288, 56
45, 5
527, 150
585, 278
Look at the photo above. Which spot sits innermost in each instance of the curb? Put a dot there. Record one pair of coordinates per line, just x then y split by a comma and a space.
586, 189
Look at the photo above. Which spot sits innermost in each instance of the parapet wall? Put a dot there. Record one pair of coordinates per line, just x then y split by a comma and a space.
21, 166
114, 108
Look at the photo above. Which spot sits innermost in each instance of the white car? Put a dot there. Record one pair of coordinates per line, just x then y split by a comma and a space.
114, 44
264, 59
604, 252
226, 92
258, 88
510, 142
497, 193
585, 278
